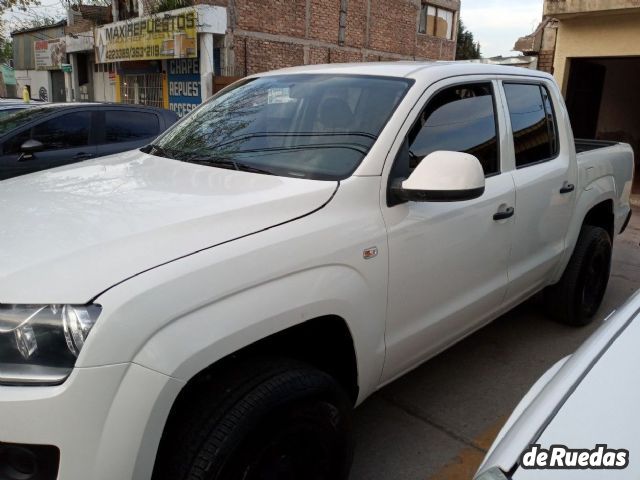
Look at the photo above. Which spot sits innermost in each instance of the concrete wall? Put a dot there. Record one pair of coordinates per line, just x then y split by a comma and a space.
595, 36
36, 79
559, 8
103, 89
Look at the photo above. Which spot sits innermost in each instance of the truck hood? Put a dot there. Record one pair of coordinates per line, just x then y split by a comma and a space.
70, 233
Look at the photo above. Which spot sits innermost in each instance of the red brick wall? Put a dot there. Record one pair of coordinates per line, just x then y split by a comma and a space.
356, 30
324, 20
281, 33
393, 26
281, 17
265, 55
545, 61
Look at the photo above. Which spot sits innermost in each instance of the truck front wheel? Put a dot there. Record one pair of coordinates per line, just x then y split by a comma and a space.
272, 419
577, 296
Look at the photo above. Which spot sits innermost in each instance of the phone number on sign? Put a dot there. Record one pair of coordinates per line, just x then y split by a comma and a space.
133, 52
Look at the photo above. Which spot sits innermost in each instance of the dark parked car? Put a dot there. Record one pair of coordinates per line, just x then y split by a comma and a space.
57, 134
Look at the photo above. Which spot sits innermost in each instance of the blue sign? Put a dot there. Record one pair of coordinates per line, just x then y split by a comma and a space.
184, 85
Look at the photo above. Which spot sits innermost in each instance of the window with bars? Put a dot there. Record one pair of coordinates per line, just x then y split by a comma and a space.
142, 89
436, 21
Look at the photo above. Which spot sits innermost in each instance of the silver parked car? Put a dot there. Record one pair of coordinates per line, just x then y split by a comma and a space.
579, 421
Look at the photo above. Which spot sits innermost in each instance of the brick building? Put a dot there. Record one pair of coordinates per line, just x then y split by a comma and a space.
268, 34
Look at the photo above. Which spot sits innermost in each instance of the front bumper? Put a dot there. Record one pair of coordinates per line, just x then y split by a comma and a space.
106, 421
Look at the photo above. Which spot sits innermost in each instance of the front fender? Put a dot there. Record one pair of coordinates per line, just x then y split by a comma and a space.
219, 329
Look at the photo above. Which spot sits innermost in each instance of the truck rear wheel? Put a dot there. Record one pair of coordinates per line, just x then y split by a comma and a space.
576, 298
273, 419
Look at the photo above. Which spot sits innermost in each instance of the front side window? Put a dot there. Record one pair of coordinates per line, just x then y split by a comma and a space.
66, 131
308, 125
460, 119
127, 126
436, 21
532, 122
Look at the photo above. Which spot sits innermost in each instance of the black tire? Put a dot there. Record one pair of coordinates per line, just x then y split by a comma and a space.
575, 299
266, 419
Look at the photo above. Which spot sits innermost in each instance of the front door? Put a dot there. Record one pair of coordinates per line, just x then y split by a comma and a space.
65, 139
448, 261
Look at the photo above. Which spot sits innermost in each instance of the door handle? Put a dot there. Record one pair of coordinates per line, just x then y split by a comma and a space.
82, 156
506, 213
567, 188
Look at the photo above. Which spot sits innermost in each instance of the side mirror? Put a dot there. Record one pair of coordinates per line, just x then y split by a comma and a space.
30, 147
443, 176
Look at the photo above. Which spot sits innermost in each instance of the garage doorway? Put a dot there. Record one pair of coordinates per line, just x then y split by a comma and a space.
603, 99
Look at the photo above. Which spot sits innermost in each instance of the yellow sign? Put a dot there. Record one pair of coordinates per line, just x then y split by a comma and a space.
163, 36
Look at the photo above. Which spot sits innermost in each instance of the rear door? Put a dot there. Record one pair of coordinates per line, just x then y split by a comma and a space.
126, 129
544, 178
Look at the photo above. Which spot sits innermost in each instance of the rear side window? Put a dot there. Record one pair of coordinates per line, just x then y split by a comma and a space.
459, 119
66, 131
533, 123
127, 126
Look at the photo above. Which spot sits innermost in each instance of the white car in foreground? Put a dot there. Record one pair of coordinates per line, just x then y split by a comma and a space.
581, 413
213, 306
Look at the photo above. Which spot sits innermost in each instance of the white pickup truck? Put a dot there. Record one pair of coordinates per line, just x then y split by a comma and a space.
212, 307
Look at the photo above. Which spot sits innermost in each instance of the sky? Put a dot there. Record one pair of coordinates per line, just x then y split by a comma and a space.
497, 24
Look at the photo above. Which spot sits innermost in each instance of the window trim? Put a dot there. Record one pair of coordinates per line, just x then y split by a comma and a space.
425, 6
553, 111
495, 117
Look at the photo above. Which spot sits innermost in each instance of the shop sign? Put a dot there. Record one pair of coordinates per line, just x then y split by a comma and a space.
80, 42
50, 54
159, 37
66, 67
184, 85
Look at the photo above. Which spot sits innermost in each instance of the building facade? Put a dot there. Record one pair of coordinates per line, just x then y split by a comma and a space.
270, 34
139, 53
38, 55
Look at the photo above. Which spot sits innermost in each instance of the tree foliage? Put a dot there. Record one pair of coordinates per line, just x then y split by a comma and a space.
6, 50
22, 5
467, 48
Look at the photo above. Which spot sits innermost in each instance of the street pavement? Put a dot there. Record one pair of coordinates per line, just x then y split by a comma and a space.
437, 422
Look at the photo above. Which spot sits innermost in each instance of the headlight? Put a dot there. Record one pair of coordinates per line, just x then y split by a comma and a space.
39, 344
494, 473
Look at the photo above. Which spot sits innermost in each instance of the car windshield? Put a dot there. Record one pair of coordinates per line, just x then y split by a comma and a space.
18, 118
307, 126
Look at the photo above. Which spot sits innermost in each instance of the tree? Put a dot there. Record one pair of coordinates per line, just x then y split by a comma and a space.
6, 50
23, 5
467, 48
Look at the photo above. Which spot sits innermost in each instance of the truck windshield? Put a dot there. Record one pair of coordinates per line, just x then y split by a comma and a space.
307, 126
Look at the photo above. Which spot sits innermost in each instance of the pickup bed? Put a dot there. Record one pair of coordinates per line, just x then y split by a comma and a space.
215, 304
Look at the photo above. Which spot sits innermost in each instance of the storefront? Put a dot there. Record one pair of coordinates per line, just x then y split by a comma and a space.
49, 56
165, 60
